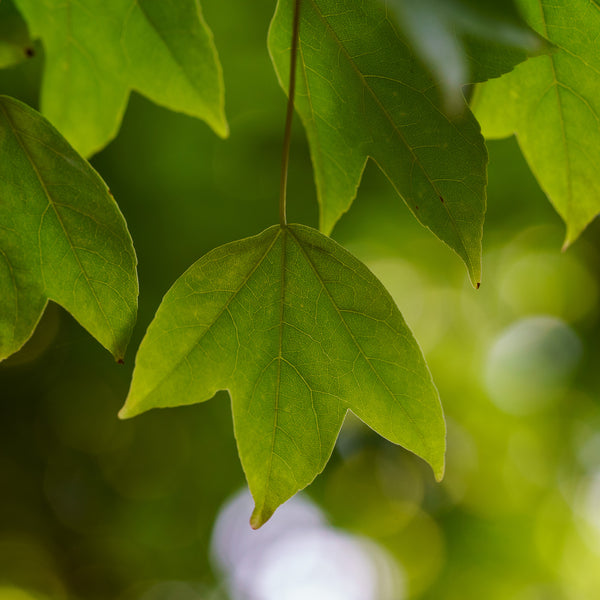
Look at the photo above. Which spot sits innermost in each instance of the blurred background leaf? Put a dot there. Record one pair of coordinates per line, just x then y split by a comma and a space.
551, 104
98, 51
466, 41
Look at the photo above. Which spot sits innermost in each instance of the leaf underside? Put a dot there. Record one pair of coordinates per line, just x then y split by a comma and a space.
362, 93
552, 104
97, 51
299, 332
62, 237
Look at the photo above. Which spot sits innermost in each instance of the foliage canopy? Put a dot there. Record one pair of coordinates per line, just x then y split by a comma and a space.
297, 329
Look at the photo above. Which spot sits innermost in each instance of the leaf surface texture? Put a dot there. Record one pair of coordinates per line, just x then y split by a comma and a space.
361, 93
552, 104
62, 237
299, 331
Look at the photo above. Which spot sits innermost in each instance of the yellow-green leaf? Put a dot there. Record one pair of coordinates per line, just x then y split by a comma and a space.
552, 104
299, 332
97, 51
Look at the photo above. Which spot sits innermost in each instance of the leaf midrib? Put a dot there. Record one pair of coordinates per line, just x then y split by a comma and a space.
396, 129
353, 338
561, 117
16, 133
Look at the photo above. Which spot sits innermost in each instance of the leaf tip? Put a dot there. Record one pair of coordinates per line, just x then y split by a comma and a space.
440, 471
255, 521
221, 128
127, 411
566, 244
260, 516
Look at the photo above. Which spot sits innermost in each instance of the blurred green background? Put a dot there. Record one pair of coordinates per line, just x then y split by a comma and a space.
95, 508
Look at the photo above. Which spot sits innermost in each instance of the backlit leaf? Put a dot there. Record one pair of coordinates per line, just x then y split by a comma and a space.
62, 237
552, 104
299, 332
362, 93
97, 51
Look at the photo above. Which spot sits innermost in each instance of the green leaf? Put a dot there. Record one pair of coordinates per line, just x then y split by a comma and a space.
361, 93
552, 104
464, 41
97, 51
299, 331
62, 237
15, 43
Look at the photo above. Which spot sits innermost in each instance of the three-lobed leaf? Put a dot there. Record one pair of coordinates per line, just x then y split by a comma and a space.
552, 104
62, 237
362, 93
299, 331
97, 51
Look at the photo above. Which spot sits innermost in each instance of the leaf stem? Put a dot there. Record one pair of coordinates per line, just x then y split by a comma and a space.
285, 159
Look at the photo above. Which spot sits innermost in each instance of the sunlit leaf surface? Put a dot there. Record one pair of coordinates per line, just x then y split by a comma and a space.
299, 331
552, 104
97, 51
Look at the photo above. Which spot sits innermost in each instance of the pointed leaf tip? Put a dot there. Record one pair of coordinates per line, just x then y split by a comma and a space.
259, 517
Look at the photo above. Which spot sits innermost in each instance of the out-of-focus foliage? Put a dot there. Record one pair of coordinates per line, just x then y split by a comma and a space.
95, 508
552, 104
466, 40
97, 51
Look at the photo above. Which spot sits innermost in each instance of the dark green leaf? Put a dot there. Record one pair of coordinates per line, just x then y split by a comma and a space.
62, 237
299, 331
361, 93
552, 104
15, 43
97, 51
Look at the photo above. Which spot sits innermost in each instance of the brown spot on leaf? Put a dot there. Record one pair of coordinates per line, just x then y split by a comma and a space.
441, 199
29, 52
